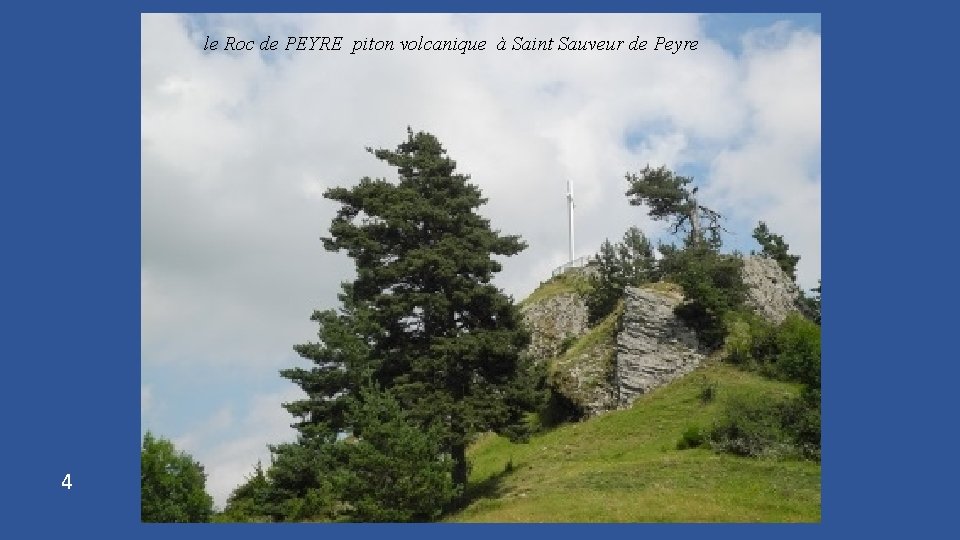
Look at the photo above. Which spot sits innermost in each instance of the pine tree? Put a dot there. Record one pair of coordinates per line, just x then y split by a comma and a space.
773, 246
394, 469
422, 319
670, 198
629, 262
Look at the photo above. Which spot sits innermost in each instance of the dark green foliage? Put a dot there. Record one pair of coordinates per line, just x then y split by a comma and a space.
627, 263
773, 246
671, 198
708, 392
171, 484
300, 478
250, 501
395, 470
753, 425
789, 351
756, 425
421, 321
693, 437
712, 288
342, 362
559, 409
801, 417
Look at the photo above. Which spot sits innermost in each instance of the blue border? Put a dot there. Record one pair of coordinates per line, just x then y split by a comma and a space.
69, 213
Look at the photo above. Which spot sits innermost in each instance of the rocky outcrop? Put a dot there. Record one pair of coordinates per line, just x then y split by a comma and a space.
770, 291
552, 321
585, 373
654, 347
645, 347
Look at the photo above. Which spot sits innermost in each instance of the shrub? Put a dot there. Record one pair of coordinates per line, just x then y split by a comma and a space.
744, 330
802, 420
712, 288
790, 351
752, 425
693, 437
708, 392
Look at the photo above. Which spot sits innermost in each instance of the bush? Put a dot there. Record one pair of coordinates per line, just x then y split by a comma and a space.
693, 437
712, 288
744, 330
790, 351
758, 425
752, 425
802, 420
708, 392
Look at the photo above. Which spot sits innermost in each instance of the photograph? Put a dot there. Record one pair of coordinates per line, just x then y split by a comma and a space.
480, 268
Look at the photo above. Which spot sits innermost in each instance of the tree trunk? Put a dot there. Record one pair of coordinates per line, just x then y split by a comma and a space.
695, 222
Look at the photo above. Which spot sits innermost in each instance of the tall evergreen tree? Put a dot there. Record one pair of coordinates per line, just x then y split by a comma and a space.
422, 318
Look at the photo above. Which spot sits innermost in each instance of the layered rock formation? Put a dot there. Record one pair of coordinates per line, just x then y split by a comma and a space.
654, 347
609, 366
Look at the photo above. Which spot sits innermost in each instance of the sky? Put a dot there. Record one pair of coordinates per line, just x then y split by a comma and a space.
238, 147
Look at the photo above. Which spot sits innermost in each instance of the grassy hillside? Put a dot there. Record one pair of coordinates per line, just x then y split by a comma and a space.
569, 282
624, 467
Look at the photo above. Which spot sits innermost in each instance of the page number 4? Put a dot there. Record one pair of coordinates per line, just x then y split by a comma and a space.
66, 482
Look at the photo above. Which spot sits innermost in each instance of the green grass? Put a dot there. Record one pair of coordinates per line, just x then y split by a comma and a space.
569, 282
665, 287
624, 467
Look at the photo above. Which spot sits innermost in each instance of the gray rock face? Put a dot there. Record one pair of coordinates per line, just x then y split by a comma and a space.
770, 291
552, 320
654, 347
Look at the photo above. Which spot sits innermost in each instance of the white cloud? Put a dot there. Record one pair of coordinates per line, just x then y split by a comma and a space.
146, 400
773, 173
229, 446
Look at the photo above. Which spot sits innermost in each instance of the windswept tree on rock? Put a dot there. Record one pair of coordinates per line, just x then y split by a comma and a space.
773, 246
671, 198
712, 282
